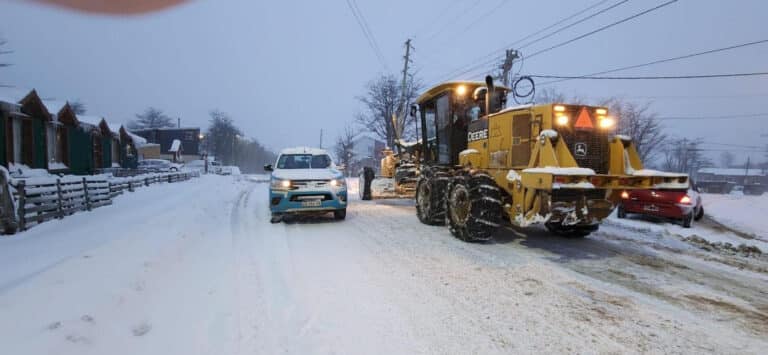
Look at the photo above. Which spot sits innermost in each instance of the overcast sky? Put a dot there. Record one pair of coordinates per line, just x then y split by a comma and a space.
285, 69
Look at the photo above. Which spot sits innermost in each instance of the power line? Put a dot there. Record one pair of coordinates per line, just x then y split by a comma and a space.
573, 24
670, 2
367, 32
671, 77
502, 49
436, 18
711, 51
453, 19
723, 117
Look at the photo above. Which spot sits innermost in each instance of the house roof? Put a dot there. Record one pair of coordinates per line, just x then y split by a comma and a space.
732, 172
91, 120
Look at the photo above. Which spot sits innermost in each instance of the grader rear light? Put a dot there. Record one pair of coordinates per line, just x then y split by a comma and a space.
624, 195
561, 179
562, 120
601, 111
559, 108
606, 122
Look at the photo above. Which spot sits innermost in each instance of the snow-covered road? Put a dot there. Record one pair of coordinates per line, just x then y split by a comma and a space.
202, 271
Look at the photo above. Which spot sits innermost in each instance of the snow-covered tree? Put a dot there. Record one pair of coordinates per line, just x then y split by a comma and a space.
151, 118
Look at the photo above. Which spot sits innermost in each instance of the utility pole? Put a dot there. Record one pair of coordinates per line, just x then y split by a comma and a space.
321, 138
404, 92
506, 67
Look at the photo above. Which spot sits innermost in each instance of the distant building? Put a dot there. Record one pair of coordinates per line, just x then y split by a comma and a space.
734, 176
187, 149
366, 150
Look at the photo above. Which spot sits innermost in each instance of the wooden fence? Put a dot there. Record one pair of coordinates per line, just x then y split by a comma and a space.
41, 199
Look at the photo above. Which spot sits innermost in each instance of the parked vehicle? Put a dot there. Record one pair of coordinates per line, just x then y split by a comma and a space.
158, 165
681, 205
305, 180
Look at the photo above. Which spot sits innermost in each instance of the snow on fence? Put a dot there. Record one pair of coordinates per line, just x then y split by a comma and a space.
39, 199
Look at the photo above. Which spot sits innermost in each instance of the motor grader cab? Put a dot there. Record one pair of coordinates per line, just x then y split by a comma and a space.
556, 164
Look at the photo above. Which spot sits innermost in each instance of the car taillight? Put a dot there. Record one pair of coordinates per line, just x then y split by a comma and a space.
624, 195
685, 200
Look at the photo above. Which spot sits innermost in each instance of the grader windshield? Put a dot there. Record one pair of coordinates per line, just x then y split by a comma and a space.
446, 113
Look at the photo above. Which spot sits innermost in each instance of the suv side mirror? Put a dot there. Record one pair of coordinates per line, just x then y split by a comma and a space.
268, 167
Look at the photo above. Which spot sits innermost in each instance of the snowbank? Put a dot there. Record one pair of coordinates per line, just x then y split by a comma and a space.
743, 213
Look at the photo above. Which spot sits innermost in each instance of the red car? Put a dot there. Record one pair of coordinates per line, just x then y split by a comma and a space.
682, 205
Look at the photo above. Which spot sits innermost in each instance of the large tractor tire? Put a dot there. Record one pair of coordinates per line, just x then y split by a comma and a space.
430, 198
474, 207
571, 231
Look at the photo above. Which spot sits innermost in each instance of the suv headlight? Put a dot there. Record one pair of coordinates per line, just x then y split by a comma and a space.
280, 184
338, 182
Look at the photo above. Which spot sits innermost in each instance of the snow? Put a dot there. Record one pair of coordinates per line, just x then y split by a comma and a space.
513, 176
649, 172
138, 141
514, 108
468, 152
91, 120
57, 166
732, 172
623, 137
742, 212
549, 133
304, 150
196, 268
560, 171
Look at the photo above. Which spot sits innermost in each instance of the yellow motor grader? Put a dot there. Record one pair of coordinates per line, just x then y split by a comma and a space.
559, 165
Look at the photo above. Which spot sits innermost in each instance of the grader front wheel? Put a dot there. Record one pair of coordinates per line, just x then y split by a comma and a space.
430, 200
474, 207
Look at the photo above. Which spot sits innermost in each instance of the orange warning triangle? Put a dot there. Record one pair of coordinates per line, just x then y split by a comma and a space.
584, 121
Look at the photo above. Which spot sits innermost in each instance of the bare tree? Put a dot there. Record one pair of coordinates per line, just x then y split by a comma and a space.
550, 96
684, 156
383, 100
224, 138
151, 118
78, 107
344, 149
637, 122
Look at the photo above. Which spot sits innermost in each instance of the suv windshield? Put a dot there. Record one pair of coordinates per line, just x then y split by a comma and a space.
303, 161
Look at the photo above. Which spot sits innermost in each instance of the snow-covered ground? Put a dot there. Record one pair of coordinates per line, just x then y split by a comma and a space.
196, 268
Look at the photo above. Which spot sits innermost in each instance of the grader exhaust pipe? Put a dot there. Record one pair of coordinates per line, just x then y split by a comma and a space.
488, 94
